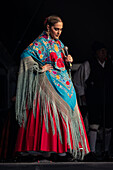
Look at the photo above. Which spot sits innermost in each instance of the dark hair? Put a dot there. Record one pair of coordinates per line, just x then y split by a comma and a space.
51, 20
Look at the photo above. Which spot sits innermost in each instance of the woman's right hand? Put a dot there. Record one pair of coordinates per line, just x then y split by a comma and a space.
47, 67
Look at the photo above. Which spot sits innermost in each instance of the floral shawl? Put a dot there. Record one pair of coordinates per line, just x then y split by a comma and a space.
48, 51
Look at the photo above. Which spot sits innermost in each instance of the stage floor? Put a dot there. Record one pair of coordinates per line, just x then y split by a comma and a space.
58, 166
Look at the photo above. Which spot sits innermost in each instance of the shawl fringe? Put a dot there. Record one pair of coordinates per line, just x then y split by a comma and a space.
33, 87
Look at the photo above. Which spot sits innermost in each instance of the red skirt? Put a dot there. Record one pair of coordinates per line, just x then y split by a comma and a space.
34, 137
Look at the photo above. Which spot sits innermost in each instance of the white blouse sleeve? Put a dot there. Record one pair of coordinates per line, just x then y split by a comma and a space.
80, 77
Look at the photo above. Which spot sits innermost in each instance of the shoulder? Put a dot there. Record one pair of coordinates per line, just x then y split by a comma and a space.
41, 39
39, 43
85, 65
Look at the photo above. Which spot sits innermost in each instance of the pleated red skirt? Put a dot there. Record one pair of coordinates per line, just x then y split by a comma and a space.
34, 137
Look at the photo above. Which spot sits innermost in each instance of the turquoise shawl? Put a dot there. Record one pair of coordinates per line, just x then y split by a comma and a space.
48, 51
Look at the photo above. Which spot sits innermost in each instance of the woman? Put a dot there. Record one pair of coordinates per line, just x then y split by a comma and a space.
46, 106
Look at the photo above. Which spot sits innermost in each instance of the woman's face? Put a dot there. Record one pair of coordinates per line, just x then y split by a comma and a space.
56, 30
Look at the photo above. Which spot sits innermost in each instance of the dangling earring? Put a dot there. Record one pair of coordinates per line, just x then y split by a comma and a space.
48, 33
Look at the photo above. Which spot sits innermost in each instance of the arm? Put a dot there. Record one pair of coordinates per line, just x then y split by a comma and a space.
80, 77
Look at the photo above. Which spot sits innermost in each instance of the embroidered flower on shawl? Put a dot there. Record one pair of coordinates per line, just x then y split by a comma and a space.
51, 42
58, 42
39, 51
56, 47
36, 49
63, 56
53, 56
60, 63
45, 36
31, 44
67, 82
47, 59
36, 44
57, 76
54, 72
41, 56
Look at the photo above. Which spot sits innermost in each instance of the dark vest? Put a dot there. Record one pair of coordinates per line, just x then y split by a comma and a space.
99, 91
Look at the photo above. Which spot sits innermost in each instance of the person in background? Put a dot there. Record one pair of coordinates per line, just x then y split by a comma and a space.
94, 84
46, 105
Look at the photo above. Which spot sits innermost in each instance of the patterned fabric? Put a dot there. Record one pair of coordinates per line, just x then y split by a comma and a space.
48, 51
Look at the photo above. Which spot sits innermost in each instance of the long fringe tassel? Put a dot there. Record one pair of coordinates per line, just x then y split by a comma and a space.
75, 124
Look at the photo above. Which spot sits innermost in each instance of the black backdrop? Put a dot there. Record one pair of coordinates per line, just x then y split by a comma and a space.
84, 22
21, 21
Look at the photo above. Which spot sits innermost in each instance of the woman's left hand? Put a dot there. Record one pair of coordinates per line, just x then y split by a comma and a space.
69, 59
47, 67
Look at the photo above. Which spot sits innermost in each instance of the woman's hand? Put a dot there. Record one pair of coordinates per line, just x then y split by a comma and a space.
47, 67
69, 59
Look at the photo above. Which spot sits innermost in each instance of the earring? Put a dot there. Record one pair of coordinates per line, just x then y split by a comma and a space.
48, 33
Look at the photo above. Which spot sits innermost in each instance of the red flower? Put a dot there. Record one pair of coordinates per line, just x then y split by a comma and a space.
63, 56
39, 51
60, 63
53, 56
45, 36
67, 82
59, 42
36, 44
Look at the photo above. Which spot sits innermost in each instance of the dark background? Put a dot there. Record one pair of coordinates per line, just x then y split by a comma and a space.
84, 22
21, 21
